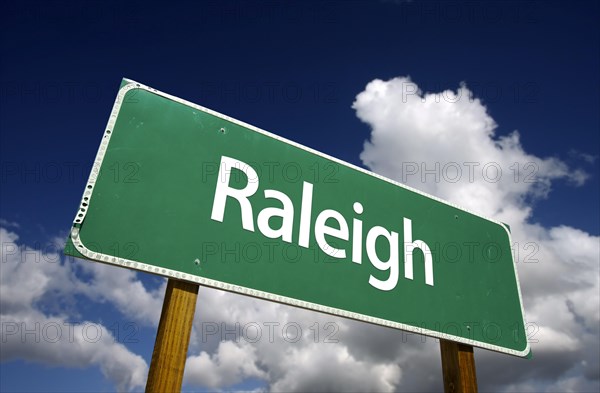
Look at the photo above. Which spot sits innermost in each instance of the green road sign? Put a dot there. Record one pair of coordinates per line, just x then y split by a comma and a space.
184, 192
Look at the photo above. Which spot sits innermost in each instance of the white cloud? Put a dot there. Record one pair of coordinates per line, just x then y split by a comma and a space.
36, 288
125, 291
290, 349
332, 368
33, 336
8, 224
445, 144
231, 363
586, 157
414, 132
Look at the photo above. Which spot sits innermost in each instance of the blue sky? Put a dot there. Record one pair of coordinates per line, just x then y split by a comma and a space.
295, 69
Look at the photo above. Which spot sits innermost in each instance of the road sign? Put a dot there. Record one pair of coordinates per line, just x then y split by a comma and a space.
184, 192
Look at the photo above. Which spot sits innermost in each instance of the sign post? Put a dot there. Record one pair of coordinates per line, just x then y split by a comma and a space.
458, 367
172, 337
196, 196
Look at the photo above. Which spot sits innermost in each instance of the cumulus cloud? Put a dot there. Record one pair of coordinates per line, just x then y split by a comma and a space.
54, 341
9, 224
332, 368
586, 157
232, 362
289, 349
446, 144
37, 288
123, 289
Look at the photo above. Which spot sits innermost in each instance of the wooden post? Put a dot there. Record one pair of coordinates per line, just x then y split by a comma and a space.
173, 337
458, 367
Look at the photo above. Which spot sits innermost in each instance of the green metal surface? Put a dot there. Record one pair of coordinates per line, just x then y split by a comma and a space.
151, 204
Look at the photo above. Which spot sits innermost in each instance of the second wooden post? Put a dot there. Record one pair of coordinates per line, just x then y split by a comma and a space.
458, 367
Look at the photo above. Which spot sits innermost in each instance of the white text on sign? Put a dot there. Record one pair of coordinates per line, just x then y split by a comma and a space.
321, 227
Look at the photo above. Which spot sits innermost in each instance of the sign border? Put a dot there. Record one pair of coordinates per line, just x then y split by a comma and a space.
136, 265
